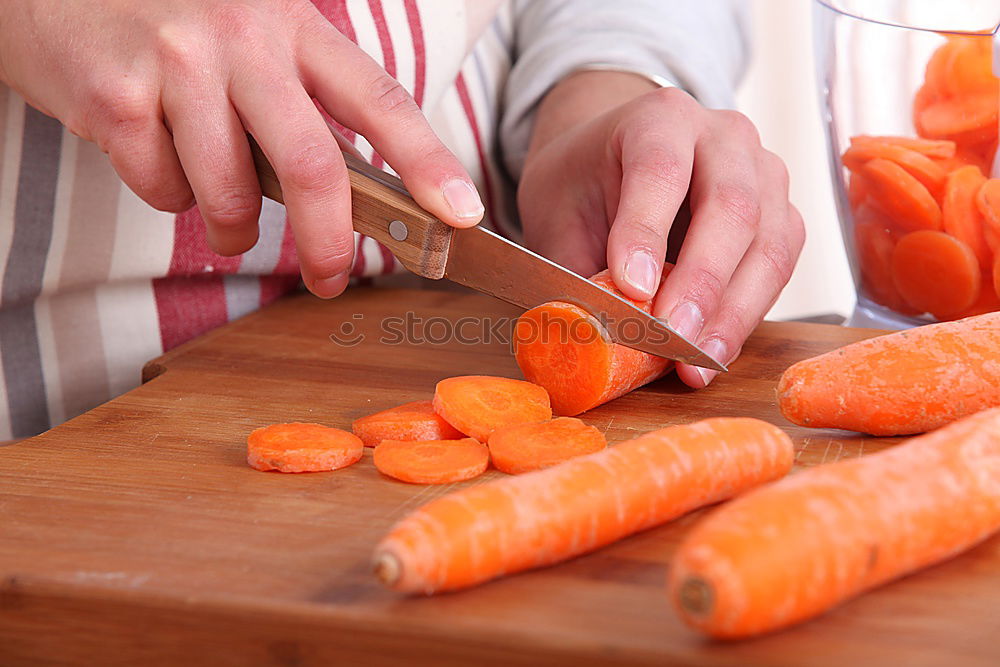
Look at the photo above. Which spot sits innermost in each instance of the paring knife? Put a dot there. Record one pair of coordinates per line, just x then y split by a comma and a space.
484, 261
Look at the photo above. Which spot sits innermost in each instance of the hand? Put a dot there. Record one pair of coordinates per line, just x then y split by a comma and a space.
605, 190
169, 89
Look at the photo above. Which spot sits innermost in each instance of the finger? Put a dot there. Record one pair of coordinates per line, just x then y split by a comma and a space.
726, 193
358, 92
214, 152
142, 153
753, 290
305, 155
656, 171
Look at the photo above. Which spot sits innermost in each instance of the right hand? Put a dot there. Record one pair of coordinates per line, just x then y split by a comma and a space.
169, 89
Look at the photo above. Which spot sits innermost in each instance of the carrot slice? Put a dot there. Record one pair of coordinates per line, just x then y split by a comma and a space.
900, 383
969, 67
960, 215
410, 421
968, 120
524, 521
874, 244
857, 190
986, 302
921, 167
301, 447
996, 276
431, 461
901, 196
792, 550
936, 273
566, 350
477, 405
929, 147
988, 203
526, 447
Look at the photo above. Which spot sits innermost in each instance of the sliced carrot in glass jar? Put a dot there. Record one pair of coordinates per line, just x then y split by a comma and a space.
936, 273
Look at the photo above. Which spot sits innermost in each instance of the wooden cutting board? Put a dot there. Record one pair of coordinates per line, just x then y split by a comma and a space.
137, 534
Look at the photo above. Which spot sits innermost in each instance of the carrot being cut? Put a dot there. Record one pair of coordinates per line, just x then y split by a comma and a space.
526, 447
936, 273
477, 405
300, 447
431, 461
960, 215
411, 421
794, 549
565, 349
543, 517
931, 148
901, 383
899, 195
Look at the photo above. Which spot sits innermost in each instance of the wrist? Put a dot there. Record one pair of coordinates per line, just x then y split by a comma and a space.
582, 96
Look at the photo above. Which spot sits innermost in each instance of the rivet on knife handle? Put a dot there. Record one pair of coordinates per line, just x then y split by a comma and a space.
376, 206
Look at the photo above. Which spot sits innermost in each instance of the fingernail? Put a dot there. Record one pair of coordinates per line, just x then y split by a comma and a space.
687, 320
327, 288
715, 348
640, 272
463, 199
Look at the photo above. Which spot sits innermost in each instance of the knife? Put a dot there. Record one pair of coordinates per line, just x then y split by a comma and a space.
477, 258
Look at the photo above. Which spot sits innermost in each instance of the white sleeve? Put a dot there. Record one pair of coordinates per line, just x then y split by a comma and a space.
698, 45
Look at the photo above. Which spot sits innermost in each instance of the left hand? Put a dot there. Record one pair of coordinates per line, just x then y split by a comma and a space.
606, 190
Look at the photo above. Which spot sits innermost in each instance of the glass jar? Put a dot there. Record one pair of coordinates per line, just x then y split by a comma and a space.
911, 103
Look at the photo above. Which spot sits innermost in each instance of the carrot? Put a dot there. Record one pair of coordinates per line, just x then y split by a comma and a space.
969, 67
794, 549
410, 421
299, 447
874, 244
526, 447
996, 275
936, 273
477, 405
986, 302
431, 461
959, 214
928, 147
930, 174
901, 196
566, 350
857, 190
540, 518
901, 383
988, 203
970, 120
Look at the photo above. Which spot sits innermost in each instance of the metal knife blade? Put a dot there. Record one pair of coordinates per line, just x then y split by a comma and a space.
488, 263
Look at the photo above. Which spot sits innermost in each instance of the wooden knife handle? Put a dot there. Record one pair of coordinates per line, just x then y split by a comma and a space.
387, 214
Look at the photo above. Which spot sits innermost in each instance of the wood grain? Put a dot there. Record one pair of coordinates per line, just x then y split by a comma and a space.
136, 533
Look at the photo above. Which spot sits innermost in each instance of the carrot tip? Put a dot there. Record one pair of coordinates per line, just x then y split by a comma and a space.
387, 568
696, 596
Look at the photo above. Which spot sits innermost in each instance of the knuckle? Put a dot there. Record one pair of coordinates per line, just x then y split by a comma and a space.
706, 286
334, 256
659, 170
120, 112
229, 207
387, 96
177, 50
671, 96
739, 124
740, 207
776, 166
779, 259
236, 22
169, 198
312, 166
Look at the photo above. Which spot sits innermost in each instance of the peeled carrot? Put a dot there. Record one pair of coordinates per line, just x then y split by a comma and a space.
540, 518
566, 350
794, 549
901, 383
899, 195
431, 461
410, 421
930, 174
477, 405
936, 273
526, 447
929, 147
960, 215
299, 447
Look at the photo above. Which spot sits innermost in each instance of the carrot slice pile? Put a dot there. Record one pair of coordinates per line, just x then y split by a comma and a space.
960, 215
895, 192
477, 405
796, 548
431, 461
929, 147
524, 521
901, 383
565, 349
526, 447
930, 174
411, 421
874, 243
968, 120
299, 447
988, 203
936, 273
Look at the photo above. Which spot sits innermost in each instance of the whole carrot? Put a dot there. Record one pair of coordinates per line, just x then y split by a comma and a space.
796, 548
902, 383
543, 517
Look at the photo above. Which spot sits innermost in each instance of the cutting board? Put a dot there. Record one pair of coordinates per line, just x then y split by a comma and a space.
137, 534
